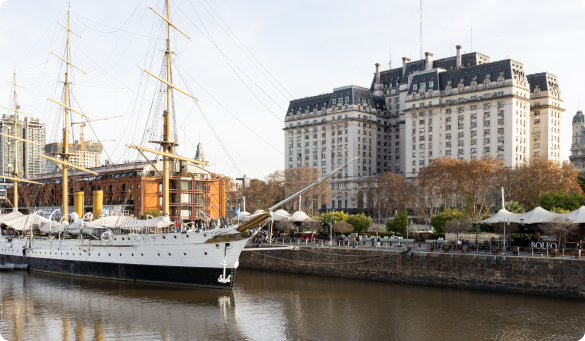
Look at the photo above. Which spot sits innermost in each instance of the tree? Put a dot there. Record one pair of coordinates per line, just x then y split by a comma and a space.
457, 226
514, 207
530, 179
399, 223
564, 201
342, 227
386, 193
360, 222
153, 212
438, 222
581, 180
298, 178
559, 227
333, 216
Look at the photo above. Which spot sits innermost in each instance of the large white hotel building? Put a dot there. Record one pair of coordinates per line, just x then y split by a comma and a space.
464, 107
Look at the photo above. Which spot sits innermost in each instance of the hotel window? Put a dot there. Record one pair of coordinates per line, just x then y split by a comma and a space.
460, 144
500, 149
486, 123
537, 121
537, 113
486, 150
501, 131
536, 145
500, 104
447, 152
486, 132
460, 136
486, 106
473, 150
486, 141
448, 136
448, 145
447, 111
447, 127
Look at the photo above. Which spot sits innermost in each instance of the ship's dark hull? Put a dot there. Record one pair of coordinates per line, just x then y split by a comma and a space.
204, 277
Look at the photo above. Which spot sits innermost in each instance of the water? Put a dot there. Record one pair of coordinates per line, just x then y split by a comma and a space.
273, 306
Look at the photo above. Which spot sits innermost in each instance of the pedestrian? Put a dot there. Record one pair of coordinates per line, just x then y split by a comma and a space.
459, 244
23, 251
1, 259
346, 241
373, 240
379, 242
353, 240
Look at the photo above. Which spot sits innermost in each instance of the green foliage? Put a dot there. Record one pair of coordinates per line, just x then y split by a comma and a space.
560, 200
514, 207
486, 216
559, 210
151, 212
399, 223
581, 180
439, 221
360, 222
336, 215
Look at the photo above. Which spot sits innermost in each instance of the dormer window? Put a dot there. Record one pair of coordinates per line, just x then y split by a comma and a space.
431, 84
488, 75
449, 82
461, 80
414, 87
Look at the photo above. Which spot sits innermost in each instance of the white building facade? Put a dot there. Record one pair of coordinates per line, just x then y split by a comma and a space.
464, 106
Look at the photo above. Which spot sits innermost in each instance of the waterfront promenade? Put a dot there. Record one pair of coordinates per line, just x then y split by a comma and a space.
524, 273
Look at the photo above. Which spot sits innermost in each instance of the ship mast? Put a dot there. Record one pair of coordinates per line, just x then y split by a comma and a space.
16, 174
167, 144
65, 154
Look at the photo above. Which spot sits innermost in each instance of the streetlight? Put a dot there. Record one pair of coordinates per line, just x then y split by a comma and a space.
507, 221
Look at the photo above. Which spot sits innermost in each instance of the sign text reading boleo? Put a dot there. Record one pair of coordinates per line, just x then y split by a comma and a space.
544, 245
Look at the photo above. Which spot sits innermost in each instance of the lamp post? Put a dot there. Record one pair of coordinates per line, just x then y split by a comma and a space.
407, 230
506, 223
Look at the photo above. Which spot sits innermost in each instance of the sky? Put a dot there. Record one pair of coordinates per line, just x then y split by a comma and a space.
245, 60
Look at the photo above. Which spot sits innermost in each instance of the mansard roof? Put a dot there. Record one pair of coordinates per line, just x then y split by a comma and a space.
477, 73
350, 94
544, 80
394, 77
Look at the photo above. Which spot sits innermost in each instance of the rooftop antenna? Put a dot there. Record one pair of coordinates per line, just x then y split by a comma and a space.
390, 61
421, 55
471, 44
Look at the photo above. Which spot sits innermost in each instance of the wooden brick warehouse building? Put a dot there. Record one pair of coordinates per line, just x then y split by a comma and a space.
135, 186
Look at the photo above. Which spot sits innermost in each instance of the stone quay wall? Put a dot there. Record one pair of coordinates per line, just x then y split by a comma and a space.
557, 277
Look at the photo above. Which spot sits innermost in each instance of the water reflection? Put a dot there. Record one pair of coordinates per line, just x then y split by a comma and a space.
271, 306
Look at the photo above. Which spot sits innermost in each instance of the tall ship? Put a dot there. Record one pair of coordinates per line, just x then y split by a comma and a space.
118, 246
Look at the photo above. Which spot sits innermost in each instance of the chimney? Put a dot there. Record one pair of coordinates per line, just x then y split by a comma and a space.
428, 60
458, 59
377, 73
404, 62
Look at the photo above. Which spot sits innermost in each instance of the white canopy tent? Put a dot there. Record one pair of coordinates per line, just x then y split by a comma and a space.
536, 216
